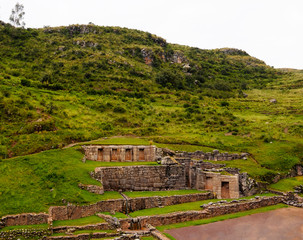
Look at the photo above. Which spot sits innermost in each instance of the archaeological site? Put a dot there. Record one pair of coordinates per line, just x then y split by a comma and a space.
174, 170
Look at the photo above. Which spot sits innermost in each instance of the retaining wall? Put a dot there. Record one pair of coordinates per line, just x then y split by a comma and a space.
142, 178
209, 212
24, 219
24, 233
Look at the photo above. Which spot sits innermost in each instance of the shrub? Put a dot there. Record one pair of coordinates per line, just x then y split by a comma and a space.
25, 82
224, 104
119, 110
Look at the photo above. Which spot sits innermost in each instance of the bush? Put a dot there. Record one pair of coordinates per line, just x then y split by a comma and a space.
119, 110
224, 104
25, 82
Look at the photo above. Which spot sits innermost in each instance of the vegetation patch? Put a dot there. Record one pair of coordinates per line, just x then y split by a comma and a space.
79, 222
287, 184
35, 182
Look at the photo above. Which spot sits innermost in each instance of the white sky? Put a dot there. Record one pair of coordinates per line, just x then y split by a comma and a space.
271, 30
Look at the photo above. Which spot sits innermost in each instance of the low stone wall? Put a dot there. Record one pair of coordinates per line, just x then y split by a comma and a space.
142, 178
122, 205
135, 204
209, 212
84, 236
74, 212
24, 219
24, 233
117, 205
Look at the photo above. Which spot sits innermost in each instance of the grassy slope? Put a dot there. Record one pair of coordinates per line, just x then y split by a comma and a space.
287, 184
79, 222
51, 97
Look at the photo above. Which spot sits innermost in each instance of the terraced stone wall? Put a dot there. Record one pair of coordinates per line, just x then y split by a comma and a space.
212, 211
143, 178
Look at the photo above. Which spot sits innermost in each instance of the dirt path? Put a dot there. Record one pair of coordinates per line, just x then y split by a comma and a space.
281, 224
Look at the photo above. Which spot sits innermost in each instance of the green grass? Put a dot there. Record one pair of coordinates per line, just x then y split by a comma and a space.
94, 231
171, 209
183, 207
79, 222
287, 184
36, 226
33, 183
117, 214
219, 218
161, 193
120, 141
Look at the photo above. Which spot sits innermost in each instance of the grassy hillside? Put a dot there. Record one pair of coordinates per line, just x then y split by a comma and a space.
81, 83
77, 83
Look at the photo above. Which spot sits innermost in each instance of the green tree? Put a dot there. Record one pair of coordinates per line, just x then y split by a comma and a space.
17, 15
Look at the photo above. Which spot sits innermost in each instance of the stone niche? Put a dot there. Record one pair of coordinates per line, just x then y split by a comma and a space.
120, 153
224, 186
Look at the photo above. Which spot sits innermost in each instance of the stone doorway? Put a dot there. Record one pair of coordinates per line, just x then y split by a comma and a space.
225, 190
141, 154
114, 155
209, 183
100, 154
128, 155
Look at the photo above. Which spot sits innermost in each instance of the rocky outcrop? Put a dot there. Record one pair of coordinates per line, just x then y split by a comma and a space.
247, 185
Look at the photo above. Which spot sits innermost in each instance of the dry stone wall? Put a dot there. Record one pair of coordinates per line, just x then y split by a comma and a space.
211, 211
135, 204
24, 234
142, 178
24, 219
74, 212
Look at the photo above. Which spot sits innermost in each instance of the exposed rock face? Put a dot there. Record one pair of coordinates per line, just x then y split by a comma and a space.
178, 57
147, 55
247, 185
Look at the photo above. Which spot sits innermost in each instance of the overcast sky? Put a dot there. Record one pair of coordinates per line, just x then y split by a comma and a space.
271, 30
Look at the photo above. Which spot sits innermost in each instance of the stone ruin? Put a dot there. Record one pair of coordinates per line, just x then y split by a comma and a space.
176, 170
